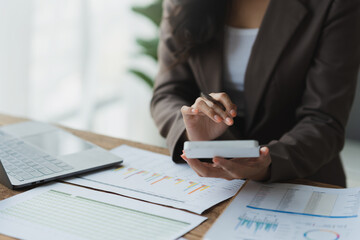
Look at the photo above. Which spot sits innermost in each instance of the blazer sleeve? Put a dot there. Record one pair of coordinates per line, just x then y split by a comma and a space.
322, 115
175, 86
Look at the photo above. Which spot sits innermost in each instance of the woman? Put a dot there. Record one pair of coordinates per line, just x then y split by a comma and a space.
285, 71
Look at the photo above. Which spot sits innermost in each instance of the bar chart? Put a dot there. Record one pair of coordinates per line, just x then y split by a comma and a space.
154, 177
257, 224
190, 187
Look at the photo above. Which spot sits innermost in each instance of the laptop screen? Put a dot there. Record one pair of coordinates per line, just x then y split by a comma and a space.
58, 143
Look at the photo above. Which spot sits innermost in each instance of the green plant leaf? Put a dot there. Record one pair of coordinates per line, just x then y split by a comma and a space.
152, 11
148, 80
149, 47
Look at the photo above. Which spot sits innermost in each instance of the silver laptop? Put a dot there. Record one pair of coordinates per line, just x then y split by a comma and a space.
34, 152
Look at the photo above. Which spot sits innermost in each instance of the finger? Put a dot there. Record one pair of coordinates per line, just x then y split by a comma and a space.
207, 170
183, 156
204, 163
213, 111
225, 100
264, 152
193, 168
230, 165
227, 165
185, 110
227, 118
207, 110
265, 156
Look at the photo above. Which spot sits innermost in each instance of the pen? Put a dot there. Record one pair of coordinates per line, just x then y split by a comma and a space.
211, 99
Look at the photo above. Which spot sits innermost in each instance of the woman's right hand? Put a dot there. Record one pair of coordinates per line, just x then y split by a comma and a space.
205, 121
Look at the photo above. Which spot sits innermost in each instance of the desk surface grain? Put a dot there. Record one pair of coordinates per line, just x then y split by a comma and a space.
108, 143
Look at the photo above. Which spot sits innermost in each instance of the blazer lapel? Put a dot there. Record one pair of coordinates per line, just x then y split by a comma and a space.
210, 65
280, 22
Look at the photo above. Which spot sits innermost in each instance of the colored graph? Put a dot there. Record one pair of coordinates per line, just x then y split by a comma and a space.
192, 184
152, 177
189, 187
178, 180
136, 173
202, 188
255, 224
130, 170
321, 234
161, 179
156, 178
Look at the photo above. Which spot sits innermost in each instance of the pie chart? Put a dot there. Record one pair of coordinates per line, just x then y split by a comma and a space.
321, 234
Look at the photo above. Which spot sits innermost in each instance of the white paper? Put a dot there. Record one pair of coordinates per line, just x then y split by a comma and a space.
289, 211
306, 200
62, 211
156, 178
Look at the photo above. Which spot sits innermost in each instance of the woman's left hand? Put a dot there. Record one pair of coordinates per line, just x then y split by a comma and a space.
237, 168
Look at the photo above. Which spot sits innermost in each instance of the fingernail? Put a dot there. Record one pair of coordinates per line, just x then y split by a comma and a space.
233, 112
264, 150
228, 120
217, 118
183, 157
194, 110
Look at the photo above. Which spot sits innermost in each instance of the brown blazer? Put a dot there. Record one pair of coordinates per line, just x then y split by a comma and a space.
299, 86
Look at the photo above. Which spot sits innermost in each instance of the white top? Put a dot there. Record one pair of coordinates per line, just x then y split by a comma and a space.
238, 46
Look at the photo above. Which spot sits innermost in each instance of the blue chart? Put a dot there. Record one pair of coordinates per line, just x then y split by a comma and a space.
254, 224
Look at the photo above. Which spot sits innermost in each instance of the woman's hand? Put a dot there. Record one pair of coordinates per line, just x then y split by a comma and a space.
205, 120
237, 168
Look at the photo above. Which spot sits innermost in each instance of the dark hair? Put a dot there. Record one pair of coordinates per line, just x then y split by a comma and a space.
196, 24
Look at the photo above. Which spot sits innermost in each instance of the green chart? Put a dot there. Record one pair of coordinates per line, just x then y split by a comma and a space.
92, 219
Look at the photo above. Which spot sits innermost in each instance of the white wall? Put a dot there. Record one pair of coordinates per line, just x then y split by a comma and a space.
67, 61
15, 26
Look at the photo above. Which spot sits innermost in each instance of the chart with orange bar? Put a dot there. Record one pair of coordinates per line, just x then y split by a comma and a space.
156, 178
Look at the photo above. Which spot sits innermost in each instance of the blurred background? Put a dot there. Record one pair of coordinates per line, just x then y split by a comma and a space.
69, 61
90, 65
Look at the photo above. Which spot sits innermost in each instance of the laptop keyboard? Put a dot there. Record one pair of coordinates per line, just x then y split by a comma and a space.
24, 162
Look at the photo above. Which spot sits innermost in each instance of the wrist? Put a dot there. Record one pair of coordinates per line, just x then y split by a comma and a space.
265, 172
191, 137
262, 176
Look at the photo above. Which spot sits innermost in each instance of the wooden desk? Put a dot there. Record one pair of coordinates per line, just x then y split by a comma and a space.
108, 143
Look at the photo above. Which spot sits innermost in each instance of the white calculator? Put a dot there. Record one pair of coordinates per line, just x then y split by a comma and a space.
225, 149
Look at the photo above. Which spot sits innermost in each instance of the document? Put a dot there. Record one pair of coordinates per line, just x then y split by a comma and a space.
156, 178
306, 200
289, 211
62, 211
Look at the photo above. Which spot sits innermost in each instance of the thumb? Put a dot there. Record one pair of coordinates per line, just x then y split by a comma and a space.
185, 111
264, 152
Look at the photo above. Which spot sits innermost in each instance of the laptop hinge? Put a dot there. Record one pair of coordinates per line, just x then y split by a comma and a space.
4, 179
